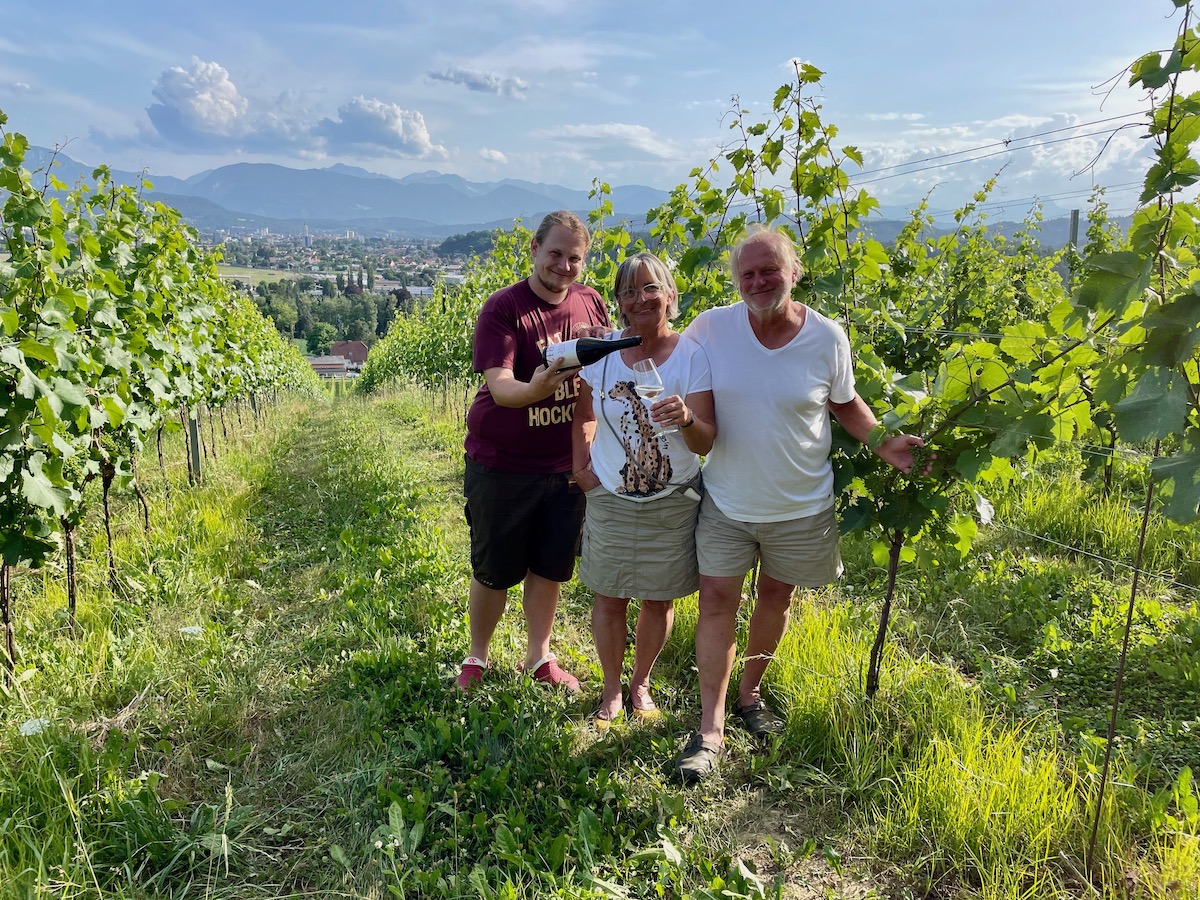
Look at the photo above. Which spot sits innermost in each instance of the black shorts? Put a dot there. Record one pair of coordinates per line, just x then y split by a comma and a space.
521, 523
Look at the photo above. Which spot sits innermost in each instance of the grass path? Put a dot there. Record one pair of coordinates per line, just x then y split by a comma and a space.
367, 552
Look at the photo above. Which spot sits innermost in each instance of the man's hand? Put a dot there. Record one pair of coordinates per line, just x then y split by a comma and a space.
508, 391
596, 331
545, 381
904, 452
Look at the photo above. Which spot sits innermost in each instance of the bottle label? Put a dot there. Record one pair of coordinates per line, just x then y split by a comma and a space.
566, 350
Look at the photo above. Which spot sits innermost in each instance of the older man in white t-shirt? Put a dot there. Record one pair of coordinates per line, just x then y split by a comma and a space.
779, 371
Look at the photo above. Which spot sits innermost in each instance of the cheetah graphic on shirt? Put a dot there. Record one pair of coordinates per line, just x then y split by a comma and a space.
648, 469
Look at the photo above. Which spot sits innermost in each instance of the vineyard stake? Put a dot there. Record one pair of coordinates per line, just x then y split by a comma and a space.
187, 444
107, 472
69, 553
10, 650
162, 463
193, 430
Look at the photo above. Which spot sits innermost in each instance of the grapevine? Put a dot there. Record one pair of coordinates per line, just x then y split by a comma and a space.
111, 318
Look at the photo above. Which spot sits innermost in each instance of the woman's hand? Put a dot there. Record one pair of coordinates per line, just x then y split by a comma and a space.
586, 479
670, 411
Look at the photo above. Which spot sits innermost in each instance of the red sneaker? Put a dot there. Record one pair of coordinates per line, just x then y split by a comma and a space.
471, 674
548, 671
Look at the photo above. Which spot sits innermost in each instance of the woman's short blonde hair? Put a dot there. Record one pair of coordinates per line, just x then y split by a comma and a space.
660, 274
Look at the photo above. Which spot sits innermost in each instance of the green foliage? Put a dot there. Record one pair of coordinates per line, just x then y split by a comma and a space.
111, 318
1153, 368
473, 243
320, 338
433, 344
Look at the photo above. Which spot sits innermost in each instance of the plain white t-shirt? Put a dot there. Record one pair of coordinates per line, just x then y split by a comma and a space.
770, 461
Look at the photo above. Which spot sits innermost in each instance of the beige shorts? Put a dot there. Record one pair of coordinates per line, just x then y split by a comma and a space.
803, 551
644, 550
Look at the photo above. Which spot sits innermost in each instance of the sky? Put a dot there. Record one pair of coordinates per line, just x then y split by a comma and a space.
623, 92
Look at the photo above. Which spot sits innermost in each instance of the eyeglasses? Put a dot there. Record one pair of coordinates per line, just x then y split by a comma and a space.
649, 291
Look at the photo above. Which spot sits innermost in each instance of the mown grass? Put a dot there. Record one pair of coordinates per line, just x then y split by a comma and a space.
253, 275
263, 709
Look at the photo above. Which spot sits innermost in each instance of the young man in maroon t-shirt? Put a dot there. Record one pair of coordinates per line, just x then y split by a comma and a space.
523, 509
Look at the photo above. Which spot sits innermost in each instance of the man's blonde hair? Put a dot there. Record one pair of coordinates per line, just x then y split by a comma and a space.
567, 220
777, 239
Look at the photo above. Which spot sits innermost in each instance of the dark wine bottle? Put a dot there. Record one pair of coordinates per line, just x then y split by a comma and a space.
585, 350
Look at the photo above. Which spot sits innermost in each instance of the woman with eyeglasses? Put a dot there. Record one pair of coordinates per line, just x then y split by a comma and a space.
636, 457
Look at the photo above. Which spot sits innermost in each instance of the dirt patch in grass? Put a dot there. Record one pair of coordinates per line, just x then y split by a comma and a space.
787, 845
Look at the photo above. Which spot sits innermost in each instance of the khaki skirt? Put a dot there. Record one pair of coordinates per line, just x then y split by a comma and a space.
644, 550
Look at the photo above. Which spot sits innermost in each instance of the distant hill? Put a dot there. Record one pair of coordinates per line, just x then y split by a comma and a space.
68, 171
247, 197
251, 196
1054, 233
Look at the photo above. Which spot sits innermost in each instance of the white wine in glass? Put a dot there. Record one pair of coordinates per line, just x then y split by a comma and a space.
648, 385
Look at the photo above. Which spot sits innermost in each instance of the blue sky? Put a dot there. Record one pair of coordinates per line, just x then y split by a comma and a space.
629, 93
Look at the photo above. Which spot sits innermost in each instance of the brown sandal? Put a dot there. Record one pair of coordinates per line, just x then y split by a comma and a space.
698, 759
759, 719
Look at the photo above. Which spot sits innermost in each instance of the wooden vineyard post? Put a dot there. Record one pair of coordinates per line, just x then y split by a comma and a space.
10, 650
194, 447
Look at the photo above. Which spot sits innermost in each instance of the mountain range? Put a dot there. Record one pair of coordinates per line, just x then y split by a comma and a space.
249, 197
246, 197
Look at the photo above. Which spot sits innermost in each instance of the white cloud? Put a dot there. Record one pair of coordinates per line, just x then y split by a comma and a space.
894, 117
199, 102
200, 108
484, 82
636, 137
493, 156
566, 55
1018, 125
367, 124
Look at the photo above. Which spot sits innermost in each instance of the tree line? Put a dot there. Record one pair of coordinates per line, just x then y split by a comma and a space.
322, 310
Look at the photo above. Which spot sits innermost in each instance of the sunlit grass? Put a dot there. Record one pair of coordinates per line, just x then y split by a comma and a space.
1056, 504
1173, 867
985, 799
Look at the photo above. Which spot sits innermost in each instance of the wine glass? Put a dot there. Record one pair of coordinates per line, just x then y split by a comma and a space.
648, 385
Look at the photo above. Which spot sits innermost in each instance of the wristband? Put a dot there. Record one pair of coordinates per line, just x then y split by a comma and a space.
691, 420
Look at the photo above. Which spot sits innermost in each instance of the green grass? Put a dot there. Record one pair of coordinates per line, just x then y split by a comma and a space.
262, 708
253, 275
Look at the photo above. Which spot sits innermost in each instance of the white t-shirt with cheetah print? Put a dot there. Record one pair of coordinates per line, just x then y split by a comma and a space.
631, 460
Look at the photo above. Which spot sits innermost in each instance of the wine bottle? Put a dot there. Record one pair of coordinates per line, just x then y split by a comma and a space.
585, 350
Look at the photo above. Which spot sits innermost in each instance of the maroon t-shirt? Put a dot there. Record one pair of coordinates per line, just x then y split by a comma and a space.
514, 326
